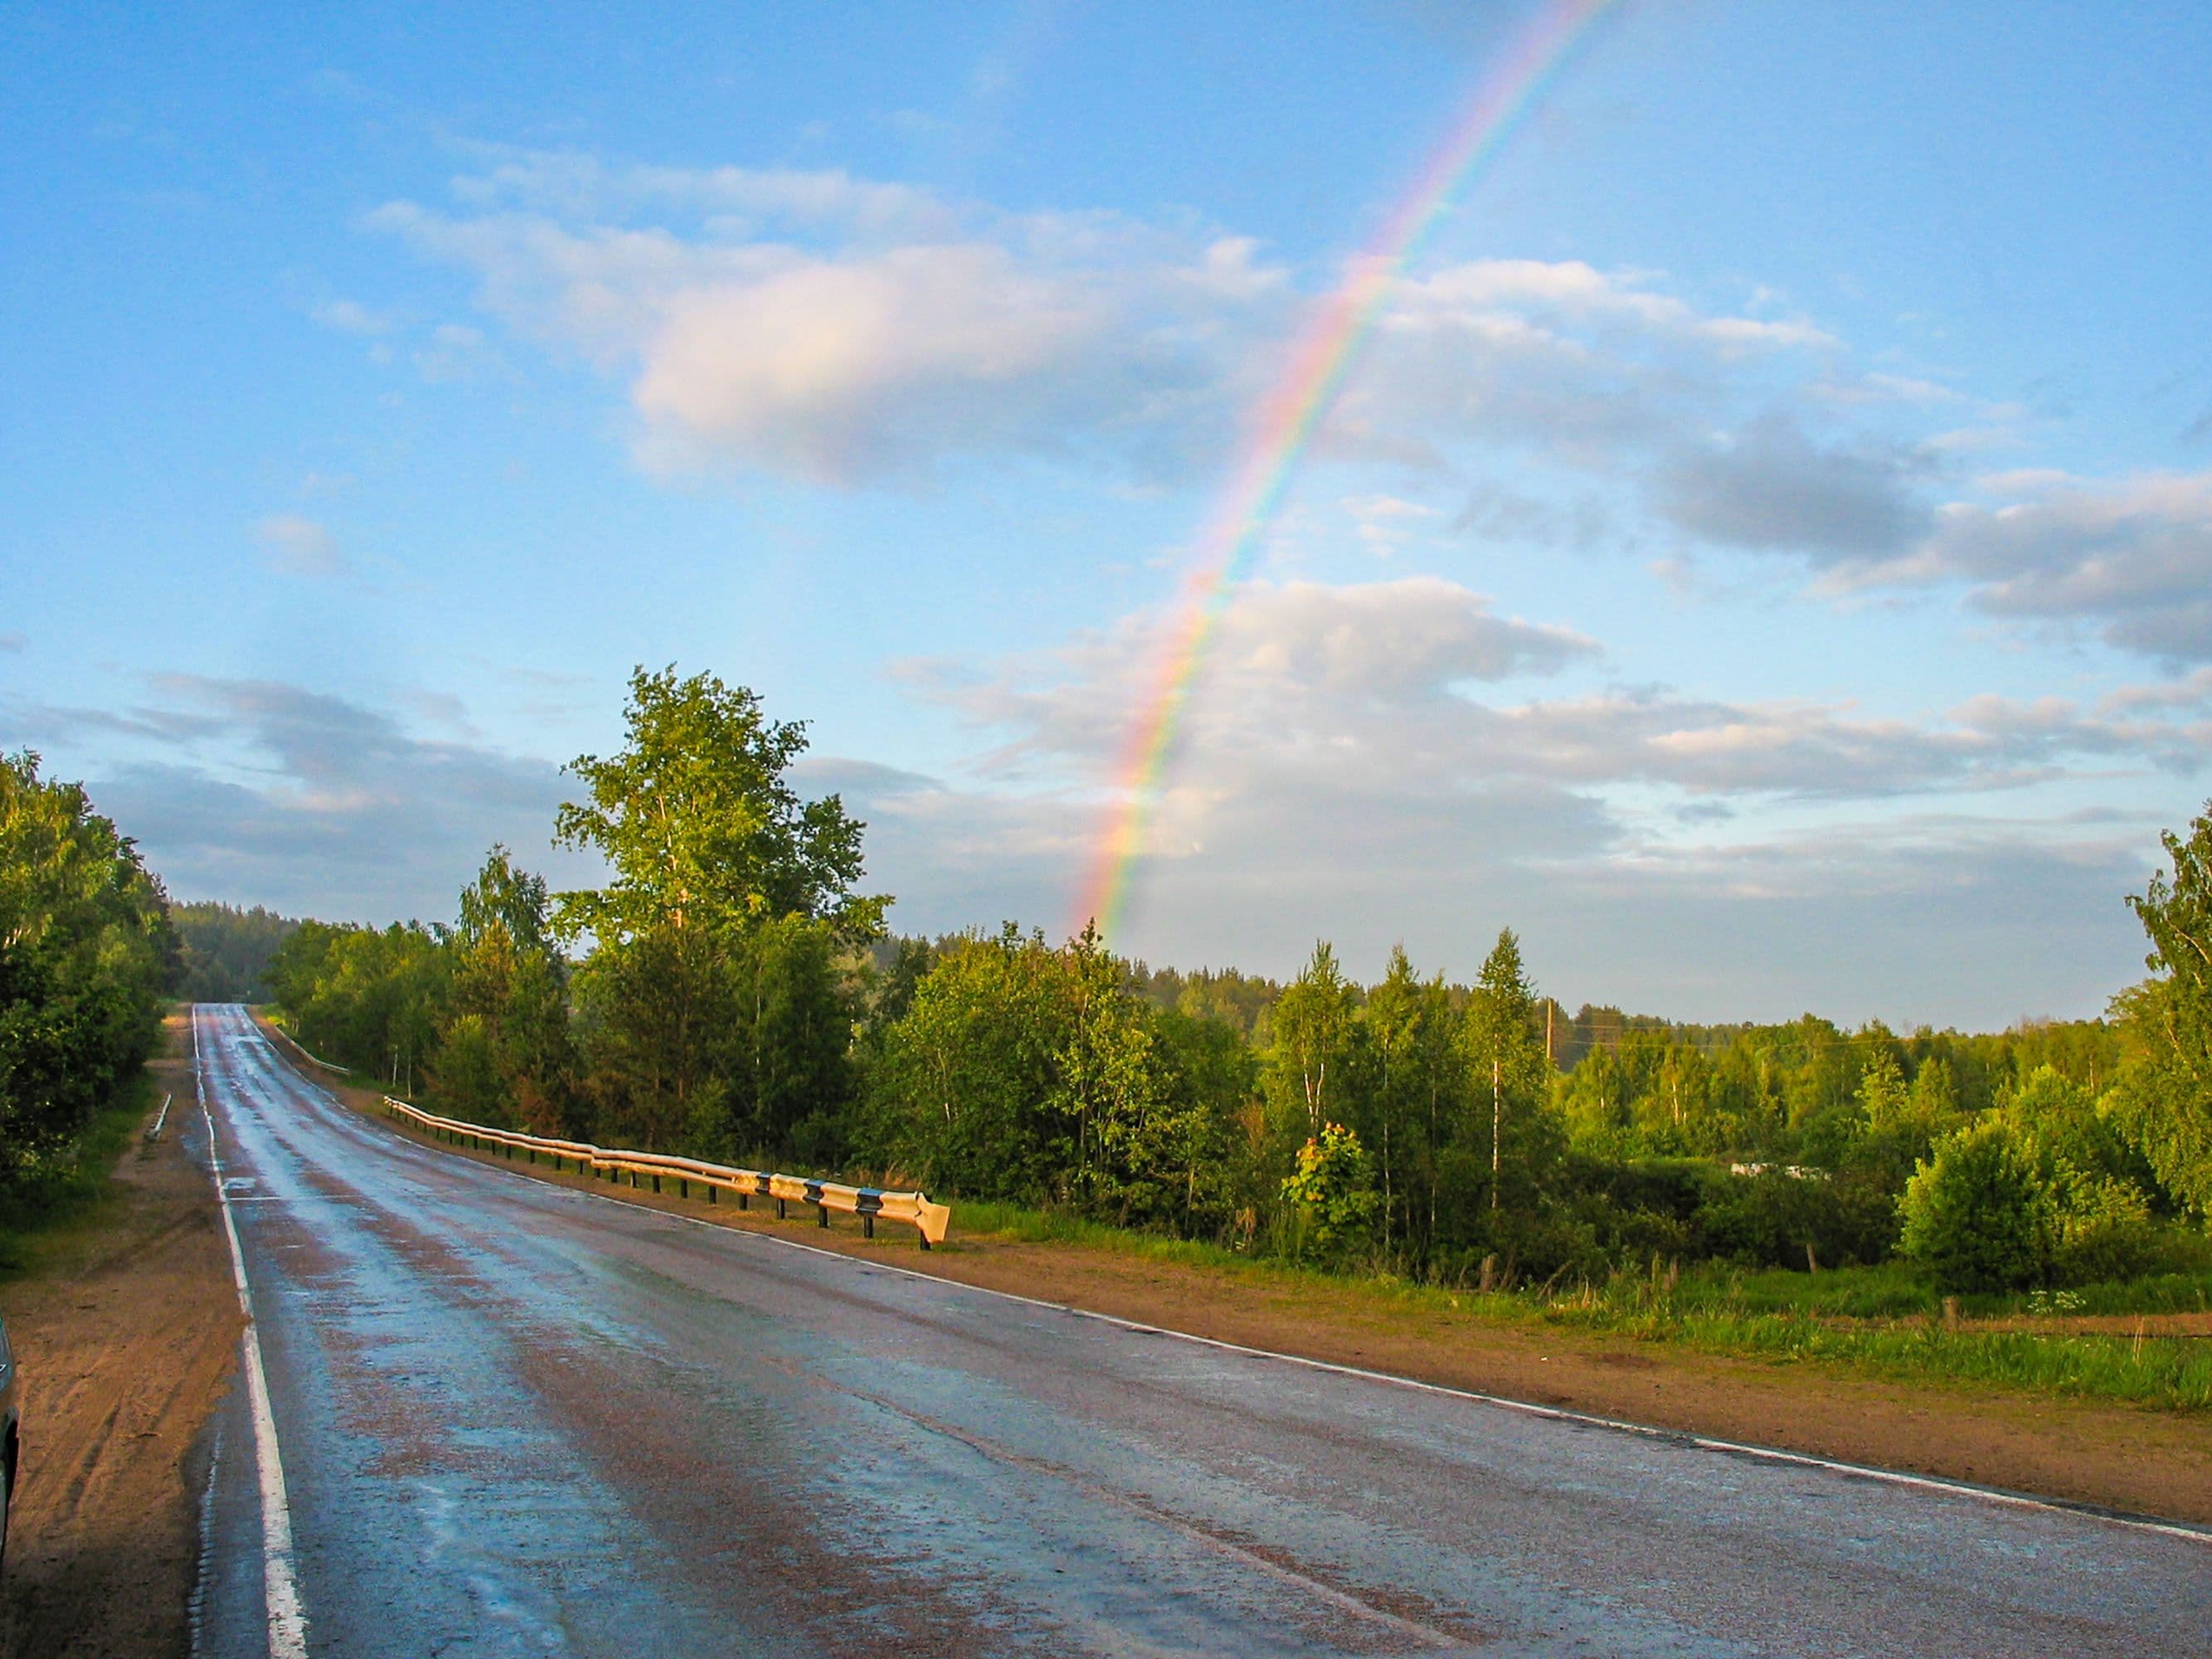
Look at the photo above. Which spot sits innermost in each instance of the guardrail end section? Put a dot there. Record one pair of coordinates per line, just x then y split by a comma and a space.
933, 1219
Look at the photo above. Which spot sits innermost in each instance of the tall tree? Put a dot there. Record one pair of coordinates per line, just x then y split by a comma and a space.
698, 818
2166, 1090
506, 1047
1505, 1045
1398, 1012
708, 843
1313, 1032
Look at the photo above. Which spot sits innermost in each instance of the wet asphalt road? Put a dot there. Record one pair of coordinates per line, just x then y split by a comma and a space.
517, 1418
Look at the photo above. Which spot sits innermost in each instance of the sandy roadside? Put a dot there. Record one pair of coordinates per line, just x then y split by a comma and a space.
2122, 1457
125, 1330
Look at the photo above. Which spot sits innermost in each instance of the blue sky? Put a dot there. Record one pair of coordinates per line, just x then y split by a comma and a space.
1764, 555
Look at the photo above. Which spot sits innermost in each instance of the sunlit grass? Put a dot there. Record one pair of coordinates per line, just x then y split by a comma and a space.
1885, 1321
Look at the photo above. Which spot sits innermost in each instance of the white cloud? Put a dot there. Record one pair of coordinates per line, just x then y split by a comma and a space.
350, 317
1368, 763
458, 354
2131, 558
1340, 775
818, 327
300, 546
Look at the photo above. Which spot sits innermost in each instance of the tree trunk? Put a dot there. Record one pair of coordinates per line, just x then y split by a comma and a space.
1496, 1124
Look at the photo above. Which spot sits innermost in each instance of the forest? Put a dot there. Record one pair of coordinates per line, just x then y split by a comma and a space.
731, 993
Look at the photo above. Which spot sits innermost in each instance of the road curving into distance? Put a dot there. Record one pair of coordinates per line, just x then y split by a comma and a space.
516, 1417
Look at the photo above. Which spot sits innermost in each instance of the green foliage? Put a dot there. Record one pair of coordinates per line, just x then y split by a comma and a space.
2164, 1096
1318, 1043
224, 952
1501, 1038
505, 1054
1979, 1216
698, 820
736, 1000
371, 998
1332, 1188
1037, 1074
715, 1012
86, 950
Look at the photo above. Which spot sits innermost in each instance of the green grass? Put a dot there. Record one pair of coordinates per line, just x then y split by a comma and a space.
2173, 1373
1885, 1321
1018, 1224
1894, 1291
77, 1194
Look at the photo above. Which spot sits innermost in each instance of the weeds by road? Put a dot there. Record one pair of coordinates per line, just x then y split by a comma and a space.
1879, 1321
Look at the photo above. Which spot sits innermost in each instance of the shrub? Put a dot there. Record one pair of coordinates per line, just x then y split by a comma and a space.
1978, 1215
1333, 1188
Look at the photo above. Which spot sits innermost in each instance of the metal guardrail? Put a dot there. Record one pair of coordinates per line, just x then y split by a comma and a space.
301, 1049
869, 1203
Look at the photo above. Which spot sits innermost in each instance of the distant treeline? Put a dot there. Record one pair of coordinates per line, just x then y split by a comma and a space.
85, 954
224, 952
735, 997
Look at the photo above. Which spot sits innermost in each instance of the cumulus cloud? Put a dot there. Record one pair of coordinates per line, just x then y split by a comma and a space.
1398, 687
819, 326
1389, 759
815, 325
1769, 486
2129, 558
1373, 652
1600, 371
300, 546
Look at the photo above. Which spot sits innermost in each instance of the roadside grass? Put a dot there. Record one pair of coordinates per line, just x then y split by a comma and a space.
1885, 1321
1713, 1314
72, 1194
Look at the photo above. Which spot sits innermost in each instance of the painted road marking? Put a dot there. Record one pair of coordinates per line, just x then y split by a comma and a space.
280, 1586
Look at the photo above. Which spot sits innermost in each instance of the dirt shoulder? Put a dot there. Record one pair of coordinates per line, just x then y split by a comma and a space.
2118, 1457
125, 1327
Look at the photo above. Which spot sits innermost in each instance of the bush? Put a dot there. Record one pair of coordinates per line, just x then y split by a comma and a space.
1978, 1215
1333, 1189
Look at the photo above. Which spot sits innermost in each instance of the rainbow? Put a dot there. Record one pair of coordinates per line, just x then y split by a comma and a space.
1283, 426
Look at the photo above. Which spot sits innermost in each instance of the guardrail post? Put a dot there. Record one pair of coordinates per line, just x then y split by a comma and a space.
822, 1215
743, 1203
867, 1227
779, 1209
683, 1187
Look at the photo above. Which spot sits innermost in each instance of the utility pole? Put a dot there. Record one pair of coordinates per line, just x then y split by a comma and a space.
1551, 1007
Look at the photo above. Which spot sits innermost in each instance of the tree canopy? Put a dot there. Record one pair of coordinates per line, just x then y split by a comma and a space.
698, 820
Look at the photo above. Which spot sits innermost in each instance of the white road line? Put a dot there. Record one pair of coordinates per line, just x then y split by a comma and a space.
280, 1586
1995, 1496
